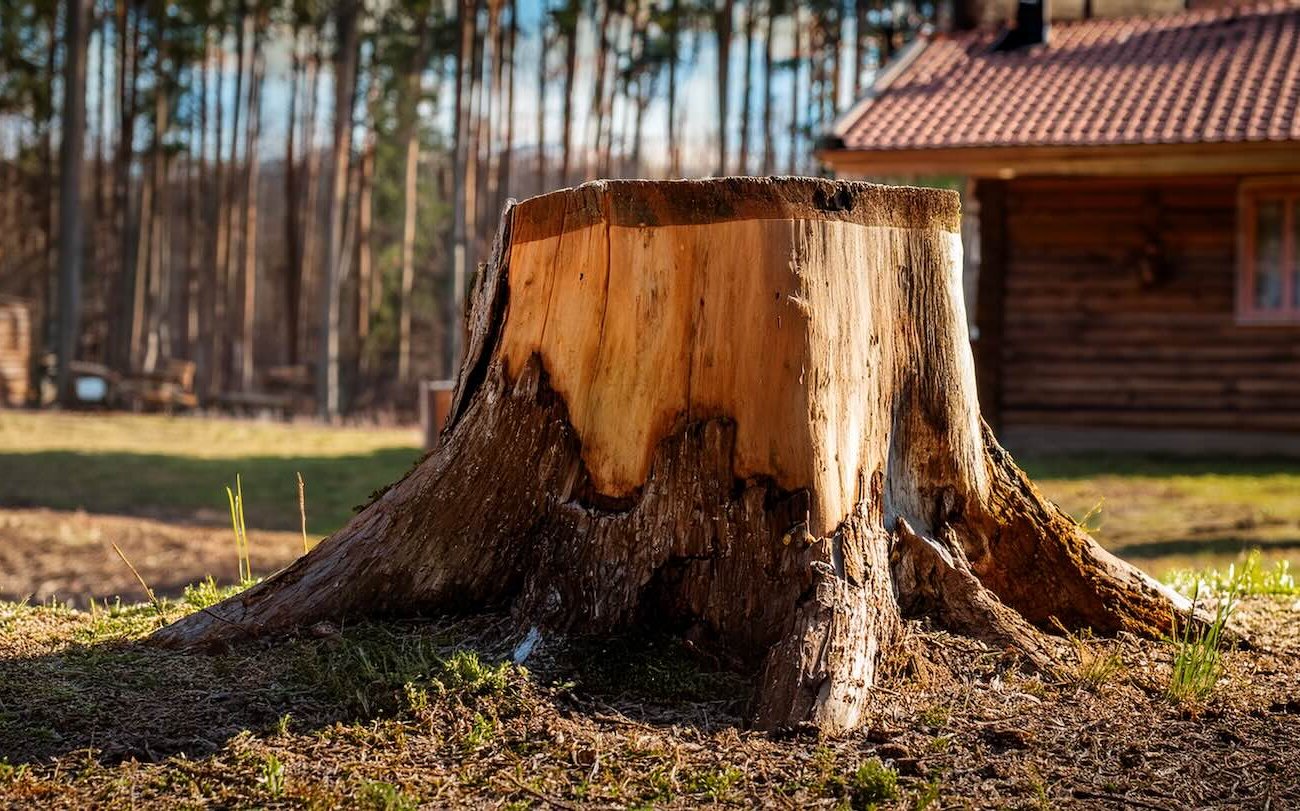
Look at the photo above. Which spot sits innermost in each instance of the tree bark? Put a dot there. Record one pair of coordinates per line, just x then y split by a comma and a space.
292, 228
368, 281
722, 25
308, 285
597, 112
152, 288
744, 409
248, 336
506, 160
568, 30
769, 142
742, 160
467, 28
211, 374
861, 38
795, 83
127, 84
345, 74
229, 275
674, 41
71, 149
410, 134
544, 45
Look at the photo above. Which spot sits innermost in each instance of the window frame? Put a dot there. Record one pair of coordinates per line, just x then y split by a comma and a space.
1251, 193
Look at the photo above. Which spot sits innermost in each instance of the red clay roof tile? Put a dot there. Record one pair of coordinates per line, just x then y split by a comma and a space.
1205, 76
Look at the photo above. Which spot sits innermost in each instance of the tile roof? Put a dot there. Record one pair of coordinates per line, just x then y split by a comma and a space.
1225, 75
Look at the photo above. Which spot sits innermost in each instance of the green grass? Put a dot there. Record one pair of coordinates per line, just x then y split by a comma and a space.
382, 796
177, 467
1099, 664
1250, 578
871, 783
863, 786
1164, 513
1176, 513
272, 778
1197, 664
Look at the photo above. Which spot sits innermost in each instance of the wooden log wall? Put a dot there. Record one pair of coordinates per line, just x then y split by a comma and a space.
1119, 310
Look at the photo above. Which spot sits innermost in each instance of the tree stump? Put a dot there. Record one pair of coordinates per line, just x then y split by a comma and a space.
741, 408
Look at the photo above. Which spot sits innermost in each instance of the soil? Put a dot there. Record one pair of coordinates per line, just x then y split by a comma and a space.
426, 713
68, 556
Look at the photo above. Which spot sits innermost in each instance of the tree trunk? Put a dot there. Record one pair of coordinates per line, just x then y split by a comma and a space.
674, 40
101, 20
596, 112
200, 343
293, 246
544, 45
308, 284
345, 74
722, 25
212, 375
71, 148
490, 118
505, 162
188, 291
367, 294
861, 38
620, 47
644, 81
467, 25
248, 337
151, 308
569, 31
127, 83
742, 161
795, 63
48, 304
782, 462
410, 134
410, 176
769, 142
228, 270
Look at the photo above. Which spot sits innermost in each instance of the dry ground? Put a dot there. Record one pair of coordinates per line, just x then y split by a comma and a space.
72, 484
426, 714
67, 556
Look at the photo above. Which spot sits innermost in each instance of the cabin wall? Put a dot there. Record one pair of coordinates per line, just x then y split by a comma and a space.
1110, 304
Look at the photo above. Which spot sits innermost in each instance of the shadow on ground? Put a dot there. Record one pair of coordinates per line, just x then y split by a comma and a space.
192, 489
1216, 547
125, 699
1094, 465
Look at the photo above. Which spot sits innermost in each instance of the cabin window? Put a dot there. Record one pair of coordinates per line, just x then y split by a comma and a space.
1269, 273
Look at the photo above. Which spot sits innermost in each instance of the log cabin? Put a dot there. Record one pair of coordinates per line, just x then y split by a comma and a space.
1131, 188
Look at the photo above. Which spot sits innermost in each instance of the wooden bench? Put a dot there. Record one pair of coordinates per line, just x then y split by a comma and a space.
168, 388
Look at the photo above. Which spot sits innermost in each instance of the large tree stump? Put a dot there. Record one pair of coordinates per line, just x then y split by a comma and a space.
742, 407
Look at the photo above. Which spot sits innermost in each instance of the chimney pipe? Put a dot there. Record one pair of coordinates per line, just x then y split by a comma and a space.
1032, 27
